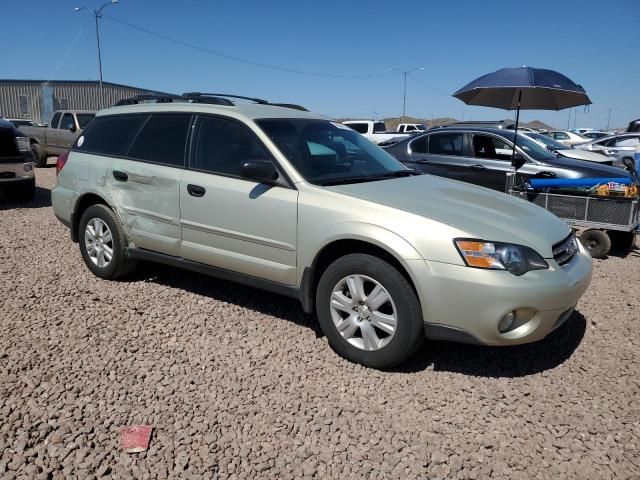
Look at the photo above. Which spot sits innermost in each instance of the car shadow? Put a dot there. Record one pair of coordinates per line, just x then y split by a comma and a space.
475, 360
42, 199
499, 362
267, 303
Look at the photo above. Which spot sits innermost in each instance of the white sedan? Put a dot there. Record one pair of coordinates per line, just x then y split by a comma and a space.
567, 138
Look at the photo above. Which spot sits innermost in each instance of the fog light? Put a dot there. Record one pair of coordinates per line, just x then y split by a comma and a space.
28, 167
506, 322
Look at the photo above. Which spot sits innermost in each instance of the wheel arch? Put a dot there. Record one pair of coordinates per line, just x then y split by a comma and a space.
341, 245
82, 203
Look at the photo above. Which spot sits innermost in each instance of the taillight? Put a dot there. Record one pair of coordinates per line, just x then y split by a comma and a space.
62, 160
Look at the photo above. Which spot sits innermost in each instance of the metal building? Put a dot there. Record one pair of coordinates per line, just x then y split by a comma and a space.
38, 99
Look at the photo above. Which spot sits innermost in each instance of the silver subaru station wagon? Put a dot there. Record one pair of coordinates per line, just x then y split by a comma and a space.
281, 199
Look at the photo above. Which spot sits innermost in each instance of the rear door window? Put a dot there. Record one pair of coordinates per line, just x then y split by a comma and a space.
446, 144
163, 139
110, 135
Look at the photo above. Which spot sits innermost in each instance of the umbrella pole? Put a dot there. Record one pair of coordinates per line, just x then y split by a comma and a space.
511, 174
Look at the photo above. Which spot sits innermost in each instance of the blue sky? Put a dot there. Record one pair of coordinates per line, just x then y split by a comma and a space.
595, 43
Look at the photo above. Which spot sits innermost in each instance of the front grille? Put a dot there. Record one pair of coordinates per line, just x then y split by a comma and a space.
565, 250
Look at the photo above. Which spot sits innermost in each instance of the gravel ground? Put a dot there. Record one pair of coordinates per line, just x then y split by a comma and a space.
238, 383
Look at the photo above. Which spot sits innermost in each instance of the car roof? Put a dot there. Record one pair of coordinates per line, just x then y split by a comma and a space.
243, 110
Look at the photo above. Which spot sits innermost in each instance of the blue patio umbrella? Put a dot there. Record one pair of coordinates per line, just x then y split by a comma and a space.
523, 88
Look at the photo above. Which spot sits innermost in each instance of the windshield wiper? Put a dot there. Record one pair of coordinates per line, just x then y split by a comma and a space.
371, 178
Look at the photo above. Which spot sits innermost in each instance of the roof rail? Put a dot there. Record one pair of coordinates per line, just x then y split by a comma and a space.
173, 98
198, 97
290, 105
200, 94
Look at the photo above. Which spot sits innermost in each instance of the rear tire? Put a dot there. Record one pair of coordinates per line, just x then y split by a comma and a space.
352, 322
39, 155
597, 242
103, 243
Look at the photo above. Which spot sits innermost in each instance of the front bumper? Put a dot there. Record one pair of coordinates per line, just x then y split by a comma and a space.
466, 304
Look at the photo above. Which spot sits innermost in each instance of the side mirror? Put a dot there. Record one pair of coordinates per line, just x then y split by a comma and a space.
627, 162
72, 128
262, 171
518, 161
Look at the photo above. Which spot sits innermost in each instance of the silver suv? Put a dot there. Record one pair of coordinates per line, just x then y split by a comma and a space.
281, 199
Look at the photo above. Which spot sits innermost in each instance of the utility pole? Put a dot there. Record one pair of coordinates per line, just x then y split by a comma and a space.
609, 117
98, 14
404, 90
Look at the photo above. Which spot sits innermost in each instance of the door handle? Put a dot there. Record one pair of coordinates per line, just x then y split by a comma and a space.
422, 160
478, 167
120, 176
196, 190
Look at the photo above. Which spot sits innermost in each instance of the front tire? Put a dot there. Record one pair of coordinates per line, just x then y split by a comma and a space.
369, 311
103, 243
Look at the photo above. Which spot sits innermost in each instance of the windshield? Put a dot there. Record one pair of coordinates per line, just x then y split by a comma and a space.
327, 153
534, 149
84, 119
548, 141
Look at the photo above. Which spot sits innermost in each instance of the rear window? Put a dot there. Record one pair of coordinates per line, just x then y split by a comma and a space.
110, 135
163, 139
84, 119
379, 127
446, 144
358, 127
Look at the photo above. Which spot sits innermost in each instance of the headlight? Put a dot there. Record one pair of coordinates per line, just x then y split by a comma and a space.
23, 144
516, 259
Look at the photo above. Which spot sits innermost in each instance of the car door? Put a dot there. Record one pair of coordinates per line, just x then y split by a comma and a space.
145, 183
231, 222
440, 154
51, 133
66, 134
623, 147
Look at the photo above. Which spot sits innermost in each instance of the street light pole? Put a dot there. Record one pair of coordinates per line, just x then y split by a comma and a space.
404, 90
609, 116
98, 14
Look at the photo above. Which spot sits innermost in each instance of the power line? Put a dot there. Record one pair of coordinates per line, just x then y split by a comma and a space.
243, 60
429, 86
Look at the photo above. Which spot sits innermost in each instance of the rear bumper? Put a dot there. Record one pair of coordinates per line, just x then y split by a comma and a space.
465, 304
16, 172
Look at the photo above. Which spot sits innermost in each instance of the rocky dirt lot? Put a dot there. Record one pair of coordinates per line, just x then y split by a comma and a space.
238, 383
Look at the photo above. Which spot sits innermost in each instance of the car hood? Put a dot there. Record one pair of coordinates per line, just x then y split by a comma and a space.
476, 212
585, 169
584, 155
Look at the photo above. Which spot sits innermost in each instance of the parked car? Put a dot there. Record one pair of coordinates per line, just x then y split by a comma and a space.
57, 138
634, 126
483, 157
375, 131
567, 137
581, 131
411, 128
569, 152
595, 134
288, 201
22, 122
17, 181
617, 147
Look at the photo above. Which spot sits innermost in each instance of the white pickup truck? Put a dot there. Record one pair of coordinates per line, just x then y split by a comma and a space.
411, 128
375, 131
